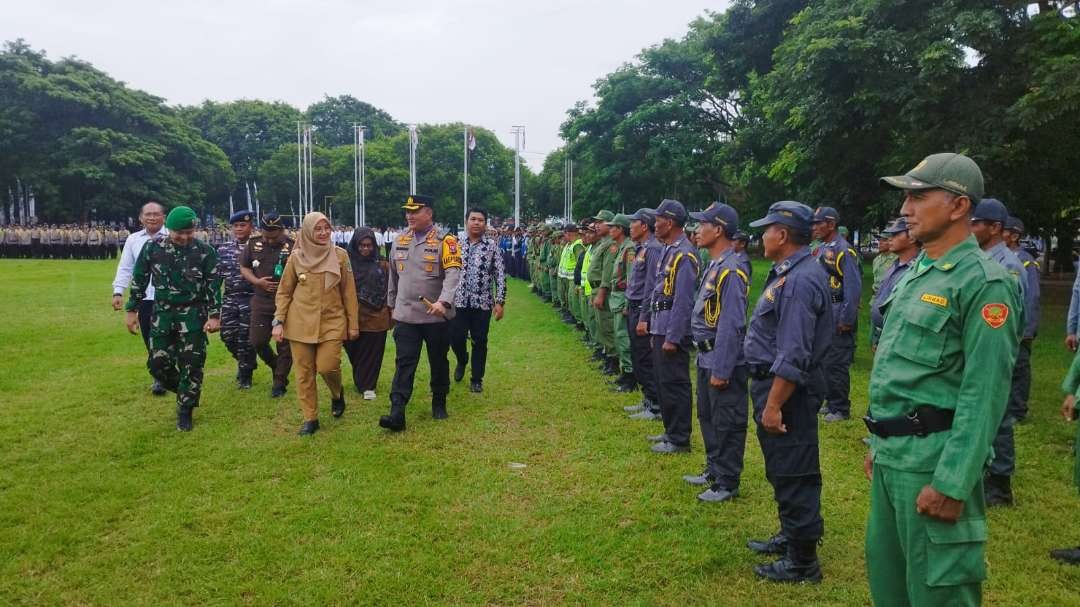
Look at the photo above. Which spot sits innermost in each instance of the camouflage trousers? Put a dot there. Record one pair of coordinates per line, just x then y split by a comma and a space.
178, 350
235, 327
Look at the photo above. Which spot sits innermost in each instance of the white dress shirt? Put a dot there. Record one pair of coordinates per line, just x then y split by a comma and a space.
132, 247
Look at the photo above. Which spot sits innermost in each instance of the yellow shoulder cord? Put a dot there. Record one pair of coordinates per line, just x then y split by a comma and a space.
669, 277
712, 305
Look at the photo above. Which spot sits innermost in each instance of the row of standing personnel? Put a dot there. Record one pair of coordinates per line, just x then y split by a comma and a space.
948, 327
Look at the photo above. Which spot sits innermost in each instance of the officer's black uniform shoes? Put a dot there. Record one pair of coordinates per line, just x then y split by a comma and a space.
1067, 555
309, 428
337, 405
776, 544
184, 421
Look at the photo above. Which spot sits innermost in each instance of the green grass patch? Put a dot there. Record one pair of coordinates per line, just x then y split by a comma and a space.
103, 502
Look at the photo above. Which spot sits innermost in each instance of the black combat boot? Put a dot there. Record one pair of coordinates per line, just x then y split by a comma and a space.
395, 422
625, 383
611, 366
438, 407
776, 544
337, 405
309, 428
459, 371
277, 390
184, 423
243, 379
1070, 556
997, 489
799, 565
157, 389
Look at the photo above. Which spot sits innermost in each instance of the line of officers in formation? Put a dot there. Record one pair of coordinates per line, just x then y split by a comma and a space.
61, 241
954, 312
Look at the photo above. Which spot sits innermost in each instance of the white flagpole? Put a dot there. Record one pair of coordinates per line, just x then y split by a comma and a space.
299, 170
255, 187
518, 132
356, 175
363, 193
465, 164
231, 211
412, 159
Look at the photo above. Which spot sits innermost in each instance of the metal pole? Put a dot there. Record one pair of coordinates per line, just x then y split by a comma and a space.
518, 131
299, 170
571, 187
356, 176
363, 192
412, 159
465, 164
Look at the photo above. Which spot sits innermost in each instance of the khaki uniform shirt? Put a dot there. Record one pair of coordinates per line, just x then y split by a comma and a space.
423, 266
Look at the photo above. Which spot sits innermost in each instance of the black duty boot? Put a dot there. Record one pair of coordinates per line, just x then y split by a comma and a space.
625, 383
157, 389
1067, 555
998, 490
459, 372
184, 423
337, 405
438, 407
799, 565
776, 544
309, 428
395, 421
243, 379
277, 390
611, 366
476, 386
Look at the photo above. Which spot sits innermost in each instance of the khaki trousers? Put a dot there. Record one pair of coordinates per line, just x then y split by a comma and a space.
308, 359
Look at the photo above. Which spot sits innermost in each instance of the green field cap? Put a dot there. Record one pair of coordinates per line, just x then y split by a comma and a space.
953, 172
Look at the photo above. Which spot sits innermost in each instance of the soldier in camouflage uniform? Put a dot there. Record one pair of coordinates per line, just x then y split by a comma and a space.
236, 305
187, 306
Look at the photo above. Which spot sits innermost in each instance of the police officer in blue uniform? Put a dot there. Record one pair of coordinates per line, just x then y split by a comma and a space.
236, 303
1021, 388
647, 250
672, 303
790, 330
719, 327
742, 241
841, 262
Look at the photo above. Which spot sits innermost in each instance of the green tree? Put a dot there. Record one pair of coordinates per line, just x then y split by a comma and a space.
333, 118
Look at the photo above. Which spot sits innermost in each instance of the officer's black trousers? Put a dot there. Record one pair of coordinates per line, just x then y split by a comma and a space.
408, 338
1021, 382
260, 332
642, 357
837, 365
792, 463
146, 316
471, 324
672, 373
722, 416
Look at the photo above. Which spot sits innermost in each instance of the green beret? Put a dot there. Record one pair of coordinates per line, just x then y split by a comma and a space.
181, 218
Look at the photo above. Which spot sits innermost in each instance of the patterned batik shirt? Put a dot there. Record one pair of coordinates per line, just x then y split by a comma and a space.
483, 270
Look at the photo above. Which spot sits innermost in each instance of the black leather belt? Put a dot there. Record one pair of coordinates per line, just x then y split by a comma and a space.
660, 306
838, 297
924, 420
760, 372
634, 305
705, 346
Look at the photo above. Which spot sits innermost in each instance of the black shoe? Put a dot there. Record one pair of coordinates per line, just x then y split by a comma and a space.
625, 383
184, 423
395, 421
438, 408
611, 366
277, 391
309, 428
997, 490
800, 565
243, 379
337, 405
598, 355
476, 386
157, 389
1066, 555
459, 372
776, 544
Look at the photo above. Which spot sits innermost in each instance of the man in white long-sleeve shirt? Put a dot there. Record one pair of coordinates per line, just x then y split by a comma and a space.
152, 217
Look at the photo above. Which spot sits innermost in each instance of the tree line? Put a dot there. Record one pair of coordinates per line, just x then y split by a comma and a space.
813, 100
88, 147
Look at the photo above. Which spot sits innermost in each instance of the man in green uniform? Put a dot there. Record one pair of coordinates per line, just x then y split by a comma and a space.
937, 393
619, 229
567, 263
883, 260
554, 256
1071, 387
542, 263
588, 312
187, 306
601, 269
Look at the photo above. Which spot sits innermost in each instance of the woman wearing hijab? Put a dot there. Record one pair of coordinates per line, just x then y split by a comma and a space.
316, 312
370, 274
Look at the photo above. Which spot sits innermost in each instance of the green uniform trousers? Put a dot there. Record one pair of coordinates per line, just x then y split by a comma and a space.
617, 304
178, 350
605, 327
564, 293
912, 559
575, 300
553, 280
545, 281
589, 312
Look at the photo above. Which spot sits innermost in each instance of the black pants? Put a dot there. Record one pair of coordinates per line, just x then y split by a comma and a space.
471, 323
642, 357
792, 462
837, 366
146, 317
366, 358
722, 416
408, 338
672, 373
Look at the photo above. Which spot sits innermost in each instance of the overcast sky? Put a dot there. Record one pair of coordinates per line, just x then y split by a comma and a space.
485, 62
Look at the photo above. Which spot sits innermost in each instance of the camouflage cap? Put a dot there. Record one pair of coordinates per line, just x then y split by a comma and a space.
953, 172
621, 220
604, 215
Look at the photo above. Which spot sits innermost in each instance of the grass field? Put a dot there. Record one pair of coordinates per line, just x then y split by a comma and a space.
103, 502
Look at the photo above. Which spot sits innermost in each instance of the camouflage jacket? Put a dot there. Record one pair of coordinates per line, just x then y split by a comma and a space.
229, 270
182, 276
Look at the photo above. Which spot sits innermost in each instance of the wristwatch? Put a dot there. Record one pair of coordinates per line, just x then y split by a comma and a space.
276, 323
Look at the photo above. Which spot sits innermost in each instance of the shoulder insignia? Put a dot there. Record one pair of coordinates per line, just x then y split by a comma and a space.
995, 314
451, 257
936, 300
